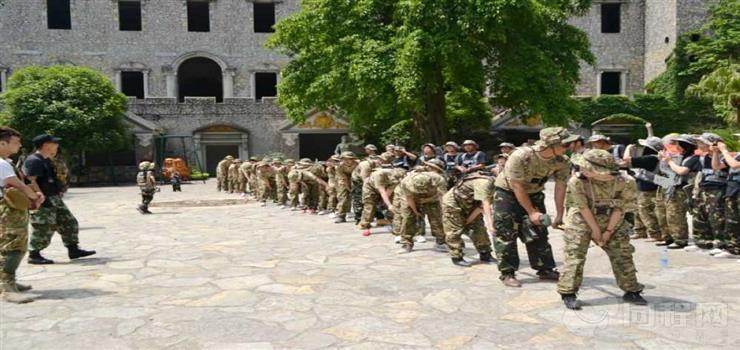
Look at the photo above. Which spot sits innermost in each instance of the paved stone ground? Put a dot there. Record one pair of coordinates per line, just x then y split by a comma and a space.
245, 277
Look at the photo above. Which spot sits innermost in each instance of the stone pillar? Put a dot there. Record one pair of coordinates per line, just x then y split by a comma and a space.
228, 82
623, 82
170, 80
146, 82
244, 149
4, 79
598, 83
118, 80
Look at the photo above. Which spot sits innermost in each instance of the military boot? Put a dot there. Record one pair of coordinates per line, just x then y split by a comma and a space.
571, 301
461, 262
340, 219
35, 258
486, 257
510, 281
74, 252
548, 275
9, 290
634, 298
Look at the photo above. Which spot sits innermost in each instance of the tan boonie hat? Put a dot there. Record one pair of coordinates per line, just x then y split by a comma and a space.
334, 158
347, 155
387, 158
452, 143
555, 136
654, 143
229, 158
506, 144
599, 137
277, 161
289, 161
470, 142
371, 147
710, 138
598, 161
436, 164
16, 199
305, 161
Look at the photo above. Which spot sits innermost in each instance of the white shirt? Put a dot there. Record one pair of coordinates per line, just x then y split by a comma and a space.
6, 171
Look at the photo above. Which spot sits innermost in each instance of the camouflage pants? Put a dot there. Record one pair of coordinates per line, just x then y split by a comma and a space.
507, 218
223, 183
647, 215
343, 199
618, 249
708, 218
267, 189
409, 223
323, 198
357, 199
732, 224
311, 192
53, 216
253, 186
233, 185
13, 229
370, 200
331, 193
671, 215
281, 191
453, 223
147, 196
294, 192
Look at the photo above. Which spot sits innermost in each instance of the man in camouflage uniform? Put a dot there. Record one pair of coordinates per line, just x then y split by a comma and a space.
233, 175
13, 219
319, 170
597, 198
645, 168
708, 209
676, 204
147, 185
294, 186
419, 194
466, 209
378, 186
343, 174
53, 215
222, 173
311, 185
244, 175
732, 197
519, 198
266, 180
360, 173
281, 182
331, 190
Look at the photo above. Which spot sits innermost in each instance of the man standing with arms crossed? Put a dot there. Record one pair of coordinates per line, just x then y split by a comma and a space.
519, 198
53, 215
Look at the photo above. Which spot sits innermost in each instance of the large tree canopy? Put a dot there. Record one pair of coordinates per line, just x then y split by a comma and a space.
77, 104
389, 60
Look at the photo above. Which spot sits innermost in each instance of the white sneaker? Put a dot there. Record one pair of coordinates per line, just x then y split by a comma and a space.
715, 251
282, 207
263, 204
404, 250
420, 239
442, 248
332, 215
322, 212
723, 254
397, 239
691, 248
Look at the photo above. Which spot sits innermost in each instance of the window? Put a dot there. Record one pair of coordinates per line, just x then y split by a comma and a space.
611, 83
611, 18
264, 17
129, 15
58, 14
132, 84
265, 85
198, 16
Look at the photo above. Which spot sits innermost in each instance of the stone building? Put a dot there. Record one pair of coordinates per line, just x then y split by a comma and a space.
202, 85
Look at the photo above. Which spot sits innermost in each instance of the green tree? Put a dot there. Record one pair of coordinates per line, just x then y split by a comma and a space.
722, 87
77, 104
718, 41
383, 61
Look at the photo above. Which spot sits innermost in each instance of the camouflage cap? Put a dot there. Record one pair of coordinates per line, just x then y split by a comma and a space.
710, 138
506, 144
470, 142
452, 144
422, 184
305, 162
267, 160
253, 159
555, 136
277, 161
599, 137
290, 161
371, 147
503, 155
398, 173
334, 158
654, 143
229, 158
598, 161
436, 164
144, 165
348, 155
373, 157
390, 146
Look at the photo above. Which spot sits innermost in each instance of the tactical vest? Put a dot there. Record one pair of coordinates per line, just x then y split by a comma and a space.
450, 161
142, 179
464, 192
469, 160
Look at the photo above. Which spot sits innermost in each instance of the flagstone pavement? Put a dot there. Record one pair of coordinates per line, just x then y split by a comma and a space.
240, 276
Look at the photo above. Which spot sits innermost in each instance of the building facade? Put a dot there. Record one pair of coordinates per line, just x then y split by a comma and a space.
202, 84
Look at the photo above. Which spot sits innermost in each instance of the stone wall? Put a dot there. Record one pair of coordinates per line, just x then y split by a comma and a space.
660, 35
614, 52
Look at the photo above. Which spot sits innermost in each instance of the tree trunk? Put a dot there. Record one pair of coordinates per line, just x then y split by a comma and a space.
431, 123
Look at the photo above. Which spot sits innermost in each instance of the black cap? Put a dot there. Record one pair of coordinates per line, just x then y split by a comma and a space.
40, 140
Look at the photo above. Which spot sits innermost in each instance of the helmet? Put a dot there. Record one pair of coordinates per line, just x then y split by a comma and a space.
371, 147
654, 143
470, 142
229, 158
152, 166
144, 165
436, 164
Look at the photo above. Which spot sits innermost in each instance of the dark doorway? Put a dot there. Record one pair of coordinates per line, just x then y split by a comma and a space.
132, 84
611, 83
216, 153
318, 146
200, 76
265, 85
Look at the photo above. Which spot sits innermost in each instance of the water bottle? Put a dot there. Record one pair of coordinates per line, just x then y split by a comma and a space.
664, 258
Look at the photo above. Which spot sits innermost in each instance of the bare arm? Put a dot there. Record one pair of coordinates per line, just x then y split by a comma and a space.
729, 159
411, 202
27, 190
34, 186
473, 215
560, 187
488, 216
386, 196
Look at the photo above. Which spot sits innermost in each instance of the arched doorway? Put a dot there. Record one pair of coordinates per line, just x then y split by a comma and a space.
216, 141
200, 76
